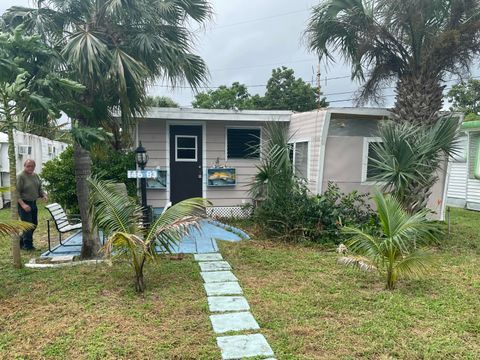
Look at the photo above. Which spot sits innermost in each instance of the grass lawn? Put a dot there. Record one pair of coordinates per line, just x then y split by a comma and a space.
307, 306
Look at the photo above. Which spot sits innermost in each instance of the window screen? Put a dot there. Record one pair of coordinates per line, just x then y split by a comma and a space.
372, 171
299, 157
243, 143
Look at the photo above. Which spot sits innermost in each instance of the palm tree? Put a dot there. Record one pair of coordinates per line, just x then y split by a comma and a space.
414, 43
408, 157
275, 173
121, 219
29, 94
393, 253
116, 48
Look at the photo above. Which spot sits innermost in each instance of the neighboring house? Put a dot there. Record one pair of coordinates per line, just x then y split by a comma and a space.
207, 153
464, 175
27, 146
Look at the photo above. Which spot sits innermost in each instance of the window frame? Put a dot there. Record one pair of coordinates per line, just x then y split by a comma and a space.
243, 128
177, 159
366, 146
294, 149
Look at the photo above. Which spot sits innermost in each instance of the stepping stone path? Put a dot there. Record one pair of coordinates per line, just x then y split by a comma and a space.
230, 311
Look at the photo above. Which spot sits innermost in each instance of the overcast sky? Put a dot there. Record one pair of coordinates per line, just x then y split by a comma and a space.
246, 39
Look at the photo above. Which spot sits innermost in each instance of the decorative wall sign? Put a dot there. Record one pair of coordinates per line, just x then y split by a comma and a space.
159, 182
221, 176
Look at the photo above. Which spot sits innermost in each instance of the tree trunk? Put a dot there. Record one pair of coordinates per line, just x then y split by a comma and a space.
91, 243
17, 260
419, 99
139, 283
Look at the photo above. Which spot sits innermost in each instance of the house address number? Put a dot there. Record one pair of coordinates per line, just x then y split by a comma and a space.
142, 174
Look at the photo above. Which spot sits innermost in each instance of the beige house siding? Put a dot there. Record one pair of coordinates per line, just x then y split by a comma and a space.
153, 134
245, 168
309, 127
343, 163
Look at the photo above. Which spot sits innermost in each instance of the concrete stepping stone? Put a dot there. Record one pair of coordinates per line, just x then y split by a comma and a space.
227, 303
233, 322
208, 257
218, 276
242, 346
225, 288
214, 266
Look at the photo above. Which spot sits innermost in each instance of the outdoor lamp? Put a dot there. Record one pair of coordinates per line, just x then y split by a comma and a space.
141, 156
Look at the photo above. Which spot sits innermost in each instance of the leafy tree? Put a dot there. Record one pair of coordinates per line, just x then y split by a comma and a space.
233, 97
285, 92
29, 94
121, 220
114, 48
160, 101
413, 43
407, 159
465, 97
59, 173
394, 251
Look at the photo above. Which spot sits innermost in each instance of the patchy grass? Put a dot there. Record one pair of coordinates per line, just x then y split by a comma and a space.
311, 308
92, 312
307, 306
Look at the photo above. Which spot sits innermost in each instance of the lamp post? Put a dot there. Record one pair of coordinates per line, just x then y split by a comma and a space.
141, 157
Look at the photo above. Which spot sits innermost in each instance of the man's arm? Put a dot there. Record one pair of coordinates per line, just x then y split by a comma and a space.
19, 198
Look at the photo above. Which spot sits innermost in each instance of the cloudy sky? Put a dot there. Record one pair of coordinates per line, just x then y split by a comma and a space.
246, 39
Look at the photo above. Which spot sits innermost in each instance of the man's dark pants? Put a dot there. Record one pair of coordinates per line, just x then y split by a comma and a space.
26, 240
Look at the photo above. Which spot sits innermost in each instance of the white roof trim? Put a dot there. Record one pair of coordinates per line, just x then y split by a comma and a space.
217, 115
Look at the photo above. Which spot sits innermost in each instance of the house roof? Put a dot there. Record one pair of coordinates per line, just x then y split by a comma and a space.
217, 115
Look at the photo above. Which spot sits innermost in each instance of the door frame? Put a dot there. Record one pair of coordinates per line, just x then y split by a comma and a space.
204, 152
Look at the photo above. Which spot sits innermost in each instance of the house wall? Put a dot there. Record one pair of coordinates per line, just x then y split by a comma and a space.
457, 181
309, 127
344, 151
153, 135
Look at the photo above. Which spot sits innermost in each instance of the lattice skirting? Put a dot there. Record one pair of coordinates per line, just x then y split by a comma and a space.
219, 212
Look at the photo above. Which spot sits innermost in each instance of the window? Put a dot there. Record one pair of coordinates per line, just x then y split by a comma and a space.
243, 143
185, 148
299, 156
369, 171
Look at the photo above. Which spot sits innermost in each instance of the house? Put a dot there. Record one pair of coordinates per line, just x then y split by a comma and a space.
207, 153
464, 173
28, 146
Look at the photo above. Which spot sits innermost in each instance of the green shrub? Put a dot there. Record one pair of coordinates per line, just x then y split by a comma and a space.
107, 164
297, 215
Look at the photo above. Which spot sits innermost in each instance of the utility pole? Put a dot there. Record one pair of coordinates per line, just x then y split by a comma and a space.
319, 100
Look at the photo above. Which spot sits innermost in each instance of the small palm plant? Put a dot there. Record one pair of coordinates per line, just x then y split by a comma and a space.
393, 252
121, 220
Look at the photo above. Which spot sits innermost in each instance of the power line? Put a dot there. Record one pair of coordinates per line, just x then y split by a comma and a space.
259, 19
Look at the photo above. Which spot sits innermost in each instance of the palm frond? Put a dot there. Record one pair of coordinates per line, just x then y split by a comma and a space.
112, 211
415, 264
360, 262
14, 227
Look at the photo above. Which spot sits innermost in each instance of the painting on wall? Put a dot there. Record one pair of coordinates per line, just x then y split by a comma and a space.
221, 177
160, 182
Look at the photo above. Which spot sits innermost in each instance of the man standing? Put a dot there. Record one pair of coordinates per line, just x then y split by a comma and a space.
29, 189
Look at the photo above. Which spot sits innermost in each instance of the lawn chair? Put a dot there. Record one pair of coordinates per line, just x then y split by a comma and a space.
63, 223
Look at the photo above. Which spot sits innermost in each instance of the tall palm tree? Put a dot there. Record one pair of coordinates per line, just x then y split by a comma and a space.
413, 43
116, 48
121, 220
394, 252
29, 94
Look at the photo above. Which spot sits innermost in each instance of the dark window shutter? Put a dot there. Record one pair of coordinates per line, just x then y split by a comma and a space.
243, 143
